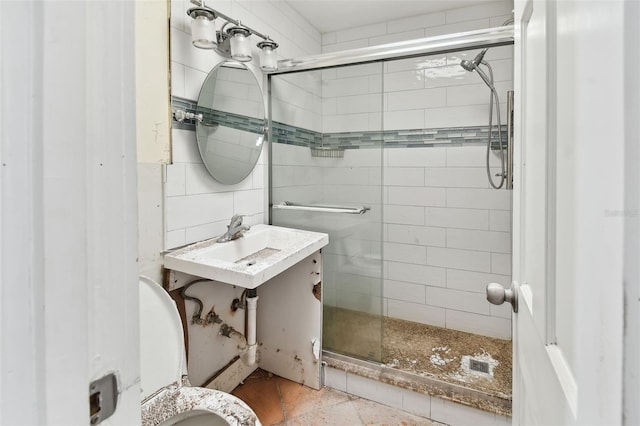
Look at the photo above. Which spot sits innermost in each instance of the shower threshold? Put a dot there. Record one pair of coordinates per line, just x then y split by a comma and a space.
461, 367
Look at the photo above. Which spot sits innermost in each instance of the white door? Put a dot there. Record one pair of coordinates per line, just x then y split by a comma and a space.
69, 310
568, 186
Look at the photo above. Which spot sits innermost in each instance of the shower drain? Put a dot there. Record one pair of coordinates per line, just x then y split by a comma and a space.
480, 366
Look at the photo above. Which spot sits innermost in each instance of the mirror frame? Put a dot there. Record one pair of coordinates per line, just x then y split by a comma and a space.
253, 131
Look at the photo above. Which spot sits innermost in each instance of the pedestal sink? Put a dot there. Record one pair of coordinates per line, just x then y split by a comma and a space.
262, 253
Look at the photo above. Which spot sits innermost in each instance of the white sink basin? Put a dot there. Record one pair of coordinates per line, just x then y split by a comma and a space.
262, 253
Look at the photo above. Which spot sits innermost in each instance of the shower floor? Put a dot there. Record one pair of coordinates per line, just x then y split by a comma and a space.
423, 351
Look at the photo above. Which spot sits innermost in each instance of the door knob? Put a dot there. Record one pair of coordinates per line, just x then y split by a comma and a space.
497, 295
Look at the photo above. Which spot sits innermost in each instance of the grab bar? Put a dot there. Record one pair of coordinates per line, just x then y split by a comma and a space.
288, 205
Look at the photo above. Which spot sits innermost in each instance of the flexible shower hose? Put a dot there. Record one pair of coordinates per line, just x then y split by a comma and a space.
493, 97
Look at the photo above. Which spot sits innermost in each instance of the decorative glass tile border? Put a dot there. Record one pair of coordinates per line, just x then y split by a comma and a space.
411, 138
450, 136
215, 117
292, 135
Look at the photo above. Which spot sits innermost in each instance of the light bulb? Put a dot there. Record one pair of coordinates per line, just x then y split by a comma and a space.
268, 58
240, 43
203, 29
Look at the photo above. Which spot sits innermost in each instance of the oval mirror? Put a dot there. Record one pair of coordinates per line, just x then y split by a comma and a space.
231, 133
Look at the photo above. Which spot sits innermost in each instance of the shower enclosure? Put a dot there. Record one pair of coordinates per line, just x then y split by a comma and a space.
318, 183
384, 150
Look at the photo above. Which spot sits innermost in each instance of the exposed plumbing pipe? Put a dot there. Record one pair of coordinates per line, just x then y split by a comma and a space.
252, 306
251, 298
195, 318
228, 331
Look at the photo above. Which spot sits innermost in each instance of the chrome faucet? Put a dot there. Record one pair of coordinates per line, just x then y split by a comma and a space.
235, 229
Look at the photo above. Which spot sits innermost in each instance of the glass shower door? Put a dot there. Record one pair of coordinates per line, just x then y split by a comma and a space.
326, 176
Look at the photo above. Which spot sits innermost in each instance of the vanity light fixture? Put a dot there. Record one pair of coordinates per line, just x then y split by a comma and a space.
203, 30
268, 59
240, 43
233, 42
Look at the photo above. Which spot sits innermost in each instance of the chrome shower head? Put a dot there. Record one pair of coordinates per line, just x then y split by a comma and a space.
471, 65
467, 65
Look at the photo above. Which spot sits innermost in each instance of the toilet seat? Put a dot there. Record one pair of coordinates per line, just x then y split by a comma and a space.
167, 397
162, 354
174, 407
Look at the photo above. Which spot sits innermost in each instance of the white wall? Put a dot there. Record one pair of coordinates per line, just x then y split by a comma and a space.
297, 100
631, 371
351, 261
423, 92
447, 234
196, 205
153, 105
351, 98
484, 15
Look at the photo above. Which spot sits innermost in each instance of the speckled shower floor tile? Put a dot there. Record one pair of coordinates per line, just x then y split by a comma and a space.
423, 350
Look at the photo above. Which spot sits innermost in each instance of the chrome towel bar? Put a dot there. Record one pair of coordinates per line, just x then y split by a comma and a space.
288, 205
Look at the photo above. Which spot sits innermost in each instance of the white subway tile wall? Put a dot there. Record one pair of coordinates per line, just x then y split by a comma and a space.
446, 233
297, 101
428, 92
351, 262
199, 207
483, 15
446, 208
196, 205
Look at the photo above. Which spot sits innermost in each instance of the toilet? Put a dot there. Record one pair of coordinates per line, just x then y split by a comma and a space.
167, 396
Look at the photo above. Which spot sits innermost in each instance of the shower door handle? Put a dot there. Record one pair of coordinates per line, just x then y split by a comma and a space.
497, 295
288, 205
510, 103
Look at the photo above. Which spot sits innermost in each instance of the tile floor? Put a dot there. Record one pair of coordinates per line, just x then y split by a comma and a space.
279, 401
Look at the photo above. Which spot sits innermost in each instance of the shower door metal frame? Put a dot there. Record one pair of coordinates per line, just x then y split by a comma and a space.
478, 39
